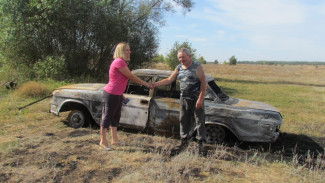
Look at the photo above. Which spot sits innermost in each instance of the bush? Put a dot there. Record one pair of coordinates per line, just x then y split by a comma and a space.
32, 89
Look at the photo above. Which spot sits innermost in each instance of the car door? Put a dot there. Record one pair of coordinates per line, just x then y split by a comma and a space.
164, 109
135, 112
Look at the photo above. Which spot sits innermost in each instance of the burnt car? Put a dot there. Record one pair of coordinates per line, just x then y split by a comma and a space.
157, 110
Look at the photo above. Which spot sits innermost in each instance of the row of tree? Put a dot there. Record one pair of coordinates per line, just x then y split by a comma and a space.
171, 58
72, 38
282, 62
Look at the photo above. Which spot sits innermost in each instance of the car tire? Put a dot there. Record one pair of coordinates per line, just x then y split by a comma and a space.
76, 119
215, 134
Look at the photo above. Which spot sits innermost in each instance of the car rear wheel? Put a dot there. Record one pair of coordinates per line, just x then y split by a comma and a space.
76, 119
215, 134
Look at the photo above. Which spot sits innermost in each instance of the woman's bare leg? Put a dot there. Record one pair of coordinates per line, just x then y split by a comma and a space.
114, 138
103, 139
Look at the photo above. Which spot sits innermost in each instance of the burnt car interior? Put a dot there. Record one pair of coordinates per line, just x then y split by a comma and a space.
170, 91
135, 88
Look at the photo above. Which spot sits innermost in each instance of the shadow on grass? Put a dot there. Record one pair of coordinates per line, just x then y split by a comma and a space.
292, 147
289, 144
299, 149
269, 82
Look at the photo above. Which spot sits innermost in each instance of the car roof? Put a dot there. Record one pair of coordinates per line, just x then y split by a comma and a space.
161, 73
152, 72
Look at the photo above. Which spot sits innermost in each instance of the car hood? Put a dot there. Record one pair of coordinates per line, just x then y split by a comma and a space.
254, 105
84, 86
244, 104
85, 91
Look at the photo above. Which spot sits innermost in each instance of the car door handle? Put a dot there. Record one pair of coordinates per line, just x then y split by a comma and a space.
145, 102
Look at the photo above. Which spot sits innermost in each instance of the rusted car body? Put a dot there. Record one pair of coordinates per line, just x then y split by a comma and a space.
157, 109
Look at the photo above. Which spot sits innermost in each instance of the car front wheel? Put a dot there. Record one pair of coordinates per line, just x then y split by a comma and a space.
76, 119
215, 134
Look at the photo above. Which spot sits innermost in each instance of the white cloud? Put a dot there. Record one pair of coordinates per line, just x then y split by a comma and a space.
255, 29
257, 12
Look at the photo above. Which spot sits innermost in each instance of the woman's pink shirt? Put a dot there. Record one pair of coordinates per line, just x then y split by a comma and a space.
117, 81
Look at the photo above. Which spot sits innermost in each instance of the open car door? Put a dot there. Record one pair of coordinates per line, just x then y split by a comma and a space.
135, 112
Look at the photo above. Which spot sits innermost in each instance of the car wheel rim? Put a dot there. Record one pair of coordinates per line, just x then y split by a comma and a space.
77, 119
215, 134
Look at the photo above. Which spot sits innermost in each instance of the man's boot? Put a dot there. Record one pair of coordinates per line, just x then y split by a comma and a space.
182, 145
200, 147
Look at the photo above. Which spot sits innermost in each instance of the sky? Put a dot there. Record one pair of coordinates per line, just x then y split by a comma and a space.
250, 30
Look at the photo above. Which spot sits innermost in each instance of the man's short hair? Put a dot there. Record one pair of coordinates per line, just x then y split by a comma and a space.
184, 50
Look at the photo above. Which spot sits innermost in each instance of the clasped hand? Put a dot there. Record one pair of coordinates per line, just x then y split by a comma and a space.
151, 85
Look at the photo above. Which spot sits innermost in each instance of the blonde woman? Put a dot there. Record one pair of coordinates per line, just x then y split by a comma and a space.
119, 74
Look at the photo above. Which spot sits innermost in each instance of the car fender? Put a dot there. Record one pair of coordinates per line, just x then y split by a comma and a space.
65, 105
223, 125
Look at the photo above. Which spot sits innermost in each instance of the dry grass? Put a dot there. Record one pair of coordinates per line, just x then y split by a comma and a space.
295, 74
32, 89
286, 74
60, 154
36, 146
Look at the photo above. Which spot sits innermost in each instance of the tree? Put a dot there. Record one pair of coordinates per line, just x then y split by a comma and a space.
158, 58
171, 59
232, 60
84, 32
216, 61
201, 60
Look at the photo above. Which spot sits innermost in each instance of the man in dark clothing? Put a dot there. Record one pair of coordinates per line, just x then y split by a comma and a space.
192, 85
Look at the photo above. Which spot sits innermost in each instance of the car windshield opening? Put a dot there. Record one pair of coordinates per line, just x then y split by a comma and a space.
222, 96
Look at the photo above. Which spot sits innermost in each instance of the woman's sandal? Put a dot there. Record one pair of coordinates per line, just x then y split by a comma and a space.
107, 148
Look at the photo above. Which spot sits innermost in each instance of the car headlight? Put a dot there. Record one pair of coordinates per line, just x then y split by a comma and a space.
268, 127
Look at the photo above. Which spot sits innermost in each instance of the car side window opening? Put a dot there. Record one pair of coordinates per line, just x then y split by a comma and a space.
170, 91
135, 88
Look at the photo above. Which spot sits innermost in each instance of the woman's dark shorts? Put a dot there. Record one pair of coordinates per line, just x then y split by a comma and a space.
112, 110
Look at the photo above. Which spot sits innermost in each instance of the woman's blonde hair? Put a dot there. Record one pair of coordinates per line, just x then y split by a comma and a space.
120, 51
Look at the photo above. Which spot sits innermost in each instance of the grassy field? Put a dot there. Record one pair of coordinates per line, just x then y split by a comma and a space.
36, 146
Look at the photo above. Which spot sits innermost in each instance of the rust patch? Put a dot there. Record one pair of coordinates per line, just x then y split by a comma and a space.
169, 125
253, 105
170, 103
87, 86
